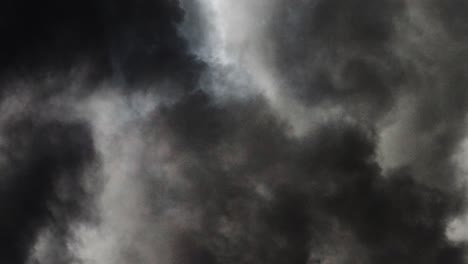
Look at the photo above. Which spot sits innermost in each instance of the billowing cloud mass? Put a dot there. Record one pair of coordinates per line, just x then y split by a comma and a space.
222, 132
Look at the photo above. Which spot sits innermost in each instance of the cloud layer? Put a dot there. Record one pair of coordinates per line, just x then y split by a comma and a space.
218, 132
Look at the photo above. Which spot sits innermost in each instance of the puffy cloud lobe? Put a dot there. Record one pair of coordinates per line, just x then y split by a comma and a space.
338, 53
43, 166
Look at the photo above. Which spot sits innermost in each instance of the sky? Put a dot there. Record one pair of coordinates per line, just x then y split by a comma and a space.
233, 132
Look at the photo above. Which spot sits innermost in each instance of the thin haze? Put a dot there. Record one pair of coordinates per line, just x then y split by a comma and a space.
233, 132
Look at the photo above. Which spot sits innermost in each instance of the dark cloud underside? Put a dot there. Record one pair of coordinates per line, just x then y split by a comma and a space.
41, 181
133, 41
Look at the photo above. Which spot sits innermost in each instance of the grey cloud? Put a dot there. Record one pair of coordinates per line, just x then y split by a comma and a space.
145, 94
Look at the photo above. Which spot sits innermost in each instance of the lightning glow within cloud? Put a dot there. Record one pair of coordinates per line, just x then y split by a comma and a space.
236, 44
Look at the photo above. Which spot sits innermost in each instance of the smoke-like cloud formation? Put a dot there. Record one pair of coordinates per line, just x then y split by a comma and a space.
218, 132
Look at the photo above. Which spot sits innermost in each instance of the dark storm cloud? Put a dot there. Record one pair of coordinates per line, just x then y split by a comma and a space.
130, 41
326, 177
337, 51
368, 56
345, 54
257, 193
50, 52
47, 48
42, 183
